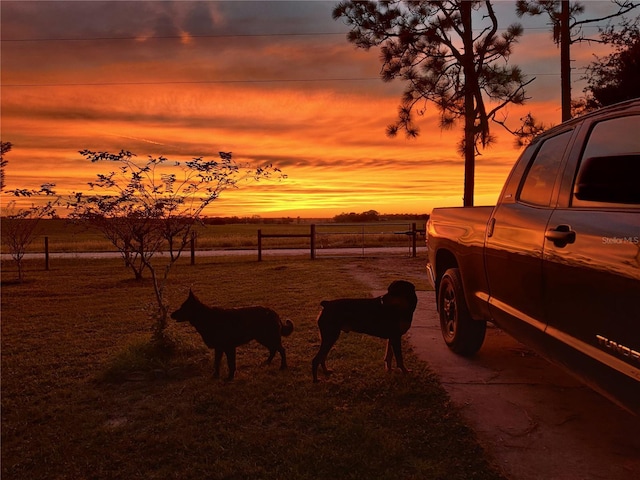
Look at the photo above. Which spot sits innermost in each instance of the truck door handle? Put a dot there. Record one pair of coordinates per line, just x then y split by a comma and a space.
561, 235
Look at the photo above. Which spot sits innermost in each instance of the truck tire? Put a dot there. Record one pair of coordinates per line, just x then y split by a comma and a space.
461, 333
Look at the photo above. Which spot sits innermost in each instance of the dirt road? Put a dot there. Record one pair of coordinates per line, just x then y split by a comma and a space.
535, 421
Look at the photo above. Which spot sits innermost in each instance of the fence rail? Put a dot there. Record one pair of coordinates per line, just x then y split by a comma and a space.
311, 236
315, 236
359, 229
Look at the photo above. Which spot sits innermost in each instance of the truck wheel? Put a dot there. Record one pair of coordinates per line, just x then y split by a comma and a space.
461, 333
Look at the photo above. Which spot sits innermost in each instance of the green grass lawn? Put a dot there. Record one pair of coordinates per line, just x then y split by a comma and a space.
81, 401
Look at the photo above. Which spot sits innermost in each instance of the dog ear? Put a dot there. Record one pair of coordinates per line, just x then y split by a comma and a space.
401, 287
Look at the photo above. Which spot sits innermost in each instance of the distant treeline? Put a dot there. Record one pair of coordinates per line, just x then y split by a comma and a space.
364, 217
373, 216
369, 216
253, 220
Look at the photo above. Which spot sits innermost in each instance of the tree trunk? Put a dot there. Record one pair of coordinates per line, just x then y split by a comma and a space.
469, 108
20, 270
159, 336
565, 61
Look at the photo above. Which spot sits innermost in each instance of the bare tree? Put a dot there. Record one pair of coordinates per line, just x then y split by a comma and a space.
148, 209
460, 68
19, 224
567, 30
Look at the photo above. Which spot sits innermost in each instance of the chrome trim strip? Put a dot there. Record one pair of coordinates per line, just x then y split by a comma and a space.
516, 313
591, 351
600, 355
431, 275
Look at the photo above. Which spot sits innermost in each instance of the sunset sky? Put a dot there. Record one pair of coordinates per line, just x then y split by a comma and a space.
272, 82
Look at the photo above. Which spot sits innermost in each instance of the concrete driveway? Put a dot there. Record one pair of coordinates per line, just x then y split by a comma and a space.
536, 421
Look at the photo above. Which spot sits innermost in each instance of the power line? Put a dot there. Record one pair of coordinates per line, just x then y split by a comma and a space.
187, 35
205, 82
173, 37
191, 82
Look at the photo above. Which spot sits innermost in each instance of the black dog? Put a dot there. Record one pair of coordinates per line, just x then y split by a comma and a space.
225, 329
388, 316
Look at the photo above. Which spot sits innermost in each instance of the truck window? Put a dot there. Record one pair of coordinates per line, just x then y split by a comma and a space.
618, 136
540, 179
609, 170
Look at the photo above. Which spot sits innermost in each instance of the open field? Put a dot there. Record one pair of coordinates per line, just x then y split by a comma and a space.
81, 400
65, 236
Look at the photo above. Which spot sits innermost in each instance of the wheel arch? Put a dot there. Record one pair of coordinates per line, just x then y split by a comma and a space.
445, 259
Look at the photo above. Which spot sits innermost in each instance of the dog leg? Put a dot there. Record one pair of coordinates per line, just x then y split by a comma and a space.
325, 370
314, 369
330, 324
272, 353
396, 345
283, 358
231, 362
217, 358
388, 357
320, 359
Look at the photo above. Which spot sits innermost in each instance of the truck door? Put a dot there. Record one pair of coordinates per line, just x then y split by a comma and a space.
515, 239
592, 275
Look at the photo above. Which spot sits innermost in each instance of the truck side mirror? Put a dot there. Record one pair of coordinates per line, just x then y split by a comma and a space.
610, 179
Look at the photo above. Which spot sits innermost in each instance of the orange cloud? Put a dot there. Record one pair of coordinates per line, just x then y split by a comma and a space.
175, 79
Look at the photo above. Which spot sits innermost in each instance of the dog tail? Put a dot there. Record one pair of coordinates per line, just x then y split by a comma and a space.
286, 328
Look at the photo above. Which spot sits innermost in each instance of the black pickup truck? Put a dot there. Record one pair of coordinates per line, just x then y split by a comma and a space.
556, 263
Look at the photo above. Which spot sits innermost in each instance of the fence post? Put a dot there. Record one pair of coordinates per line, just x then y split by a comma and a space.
46, 253
193, 248
259, 245
312, 236
414, 234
